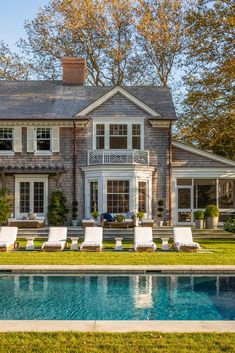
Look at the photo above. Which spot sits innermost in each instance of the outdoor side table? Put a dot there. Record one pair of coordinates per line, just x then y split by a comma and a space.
118, 246
165, 245
30, 243
74, 244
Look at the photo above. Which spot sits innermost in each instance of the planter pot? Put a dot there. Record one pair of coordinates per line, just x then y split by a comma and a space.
74, 222
212, 222
199, 223
160, 223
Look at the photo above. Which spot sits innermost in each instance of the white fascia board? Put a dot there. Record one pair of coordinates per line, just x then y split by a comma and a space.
206, 173
110, 94
203, 153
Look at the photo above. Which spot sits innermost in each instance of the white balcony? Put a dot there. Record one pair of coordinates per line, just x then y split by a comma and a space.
117, 157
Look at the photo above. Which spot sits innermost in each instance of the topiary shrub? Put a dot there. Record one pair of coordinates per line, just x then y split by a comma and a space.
6, 205
198, 214
212, 211
229, 225
57, 210
160, 209
74, 210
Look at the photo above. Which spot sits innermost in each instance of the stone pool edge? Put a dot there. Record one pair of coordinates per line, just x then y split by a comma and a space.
116, 326
164, 269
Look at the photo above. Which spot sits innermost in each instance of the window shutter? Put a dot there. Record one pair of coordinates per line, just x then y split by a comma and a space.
55, 139
17, 139
31, 139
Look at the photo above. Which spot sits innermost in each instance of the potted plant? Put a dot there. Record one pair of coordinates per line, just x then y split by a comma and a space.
140, 216
120, 218
212, 216
74, 213
95, 215
6, 206
199, 219
160, 212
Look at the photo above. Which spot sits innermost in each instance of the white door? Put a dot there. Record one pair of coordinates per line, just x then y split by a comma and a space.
31, 197
184, 205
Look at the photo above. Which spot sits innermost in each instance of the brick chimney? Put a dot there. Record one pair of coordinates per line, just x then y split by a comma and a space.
74, 71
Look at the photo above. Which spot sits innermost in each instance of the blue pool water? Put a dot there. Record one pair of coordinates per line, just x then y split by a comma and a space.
115, 297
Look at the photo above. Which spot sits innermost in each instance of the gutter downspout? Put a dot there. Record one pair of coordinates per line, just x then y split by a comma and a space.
170, 171
74, 162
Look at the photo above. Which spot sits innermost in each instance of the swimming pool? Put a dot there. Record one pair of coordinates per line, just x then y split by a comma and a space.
117, 297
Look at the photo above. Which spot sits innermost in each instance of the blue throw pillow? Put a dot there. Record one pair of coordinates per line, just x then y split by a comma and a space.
108, 217
129, 215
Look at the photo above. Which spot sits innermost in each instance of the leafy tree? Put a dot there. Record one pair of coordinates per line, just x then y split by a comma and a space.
12, 66
208, 119
57, 210
161, 34
6, 205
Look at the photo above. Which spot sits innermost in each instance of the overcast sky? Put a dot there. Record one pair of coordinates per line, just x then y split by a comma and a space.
12, 16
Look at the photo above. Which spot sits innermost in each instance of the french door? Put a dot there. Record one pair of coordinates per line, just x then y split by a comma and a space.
184, 205
31, 196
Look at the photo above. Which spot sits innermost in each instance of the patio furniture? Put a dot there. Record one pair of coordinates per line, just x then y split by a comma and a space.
143, 239
56, 239
118, 246
93, 239
109, 221
183, 240
88, 223
30, 243
26, 223
147, 222
8, 238
74, 244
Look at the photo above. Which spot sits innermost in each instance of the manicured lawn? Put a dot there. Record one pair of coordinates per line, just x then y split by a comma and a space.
220, 252
116, 343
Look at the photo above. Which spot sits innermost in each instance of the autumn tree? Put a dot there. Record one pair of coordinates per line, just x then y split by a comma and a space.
208, 118
161, 34
12, 67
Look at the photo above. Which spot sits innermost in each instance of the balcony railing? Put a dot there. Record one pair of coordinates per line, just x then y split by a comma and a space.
117, 157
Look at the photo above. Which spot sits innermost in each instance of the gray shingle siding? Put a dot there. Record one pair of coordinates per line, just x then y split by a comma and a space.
181, 158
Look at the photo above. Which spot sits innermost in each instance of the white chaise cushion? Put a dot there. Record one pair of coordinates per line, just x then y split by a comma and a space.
56, 238
93, 237
8, 234
183, 237
54, 244
149, 244
143, 234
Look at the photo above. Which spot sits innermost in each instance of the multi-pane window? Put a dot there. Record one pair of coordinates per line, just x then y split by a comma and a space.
38, 197
6, 139
204, 192
93, 196
118, 136
100, 136
226, 194
24, 197
142, 189
43, 138
136, 136
117, 196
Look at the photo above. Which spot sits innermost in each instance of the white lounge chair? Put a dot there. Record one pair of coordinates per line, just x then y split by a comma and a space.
93, 239
57, 238
143, 239
183, 240
8, 238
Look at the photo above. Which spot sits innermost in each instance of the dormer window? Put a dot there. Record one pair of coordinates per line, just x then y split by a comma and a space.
6, 139
43, 137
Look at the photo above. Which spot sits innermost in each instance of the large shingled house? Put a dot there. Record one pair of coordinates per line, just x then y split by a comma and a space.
110, 148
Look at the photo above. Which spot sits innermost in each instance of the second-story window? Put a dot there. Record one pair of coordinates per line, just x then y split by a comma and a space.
118, 136
6, 139
43, 139
100, 136
136, 136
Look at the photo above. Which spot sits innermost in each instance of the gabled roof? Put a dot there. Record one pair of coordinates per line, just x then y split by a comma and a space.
51, 99
205, 154
125, 94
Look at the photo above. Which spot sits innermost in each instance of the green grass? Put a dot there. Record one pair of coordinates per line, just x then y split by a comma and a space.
116, 343
220, 252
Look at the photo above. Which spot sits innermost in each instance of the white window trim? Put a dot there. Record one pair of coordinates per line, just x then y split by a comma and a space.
129, 121
8, 152
39, 152
30, 178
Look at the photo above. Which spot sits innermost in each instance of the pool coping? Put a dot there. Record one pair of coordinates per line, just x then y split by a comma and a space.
161, 269
116, 326
122, 325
